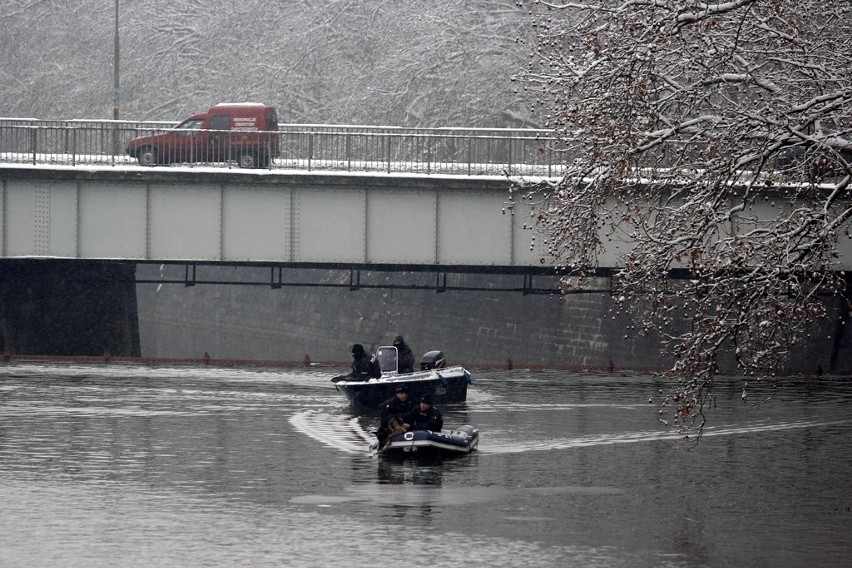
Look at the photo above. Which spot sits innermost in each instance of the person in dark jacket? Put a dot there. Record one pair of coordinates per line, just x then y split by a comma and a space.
362, 367
405, 358
424, 417
393, 411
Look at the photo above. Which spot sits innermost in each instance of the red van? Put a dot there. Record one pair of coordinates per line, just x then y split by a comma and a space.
246, 133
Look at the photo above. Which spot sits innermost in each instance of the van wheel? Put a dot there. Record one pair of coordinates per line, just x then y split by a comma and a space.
246, 161
147, 156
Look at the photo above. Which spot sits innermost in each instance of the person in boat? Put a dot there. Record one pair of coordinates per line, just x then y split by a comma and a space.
393, 411
405, 358
425, 416
363, 367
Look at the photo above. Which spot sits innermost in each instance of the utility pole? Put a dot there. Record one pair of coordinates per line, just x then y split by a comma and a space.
115, 95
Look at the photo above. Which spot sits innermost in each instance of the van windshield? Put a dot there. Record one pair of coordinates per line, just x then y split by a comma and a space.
190, 125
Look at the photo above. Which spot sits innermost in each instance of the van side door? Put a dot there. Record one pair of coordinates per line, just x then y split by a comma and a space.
220, 138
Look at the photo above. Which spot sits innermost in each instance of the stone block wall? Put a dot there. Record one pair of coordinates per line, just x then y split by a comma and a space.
61, 308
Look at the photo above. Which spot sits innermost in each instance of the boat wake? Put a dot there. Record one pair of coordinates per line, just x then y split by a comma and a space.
339, 432
346, 434
497, 446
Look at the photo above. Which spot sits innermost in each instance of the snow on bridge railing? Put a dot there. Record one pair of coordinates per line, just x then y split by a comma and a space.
452, 151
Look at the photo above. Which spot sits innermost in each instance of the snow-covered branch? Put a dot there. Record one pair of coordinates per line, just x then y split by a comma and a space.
739, 115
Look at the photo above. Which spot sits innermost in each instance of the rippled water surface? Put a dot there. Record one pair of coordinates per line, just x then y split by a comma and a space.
114, 465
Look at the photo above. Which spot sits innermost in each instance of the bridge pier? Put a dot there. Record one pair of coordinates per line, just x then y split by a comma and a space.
68, 307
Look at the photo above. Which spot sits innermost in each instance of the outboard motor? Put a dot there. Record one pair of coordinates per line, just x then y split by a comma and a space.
464, 433
432, 360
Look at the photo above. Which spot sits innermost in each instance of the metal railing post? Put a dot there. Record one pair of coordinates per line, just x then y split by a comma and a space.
348, 152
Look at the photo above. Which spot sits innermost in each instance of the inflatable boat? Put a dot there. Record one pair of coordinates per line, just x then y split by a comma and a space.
426, 443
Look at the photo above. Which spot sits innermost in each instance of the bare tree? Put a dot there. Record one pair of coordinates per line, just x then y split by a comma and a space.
711, 141
400, 63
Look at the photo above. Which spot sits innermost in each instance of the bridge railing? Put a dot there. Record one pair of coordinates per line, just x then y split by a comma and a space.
68, 142
456, 151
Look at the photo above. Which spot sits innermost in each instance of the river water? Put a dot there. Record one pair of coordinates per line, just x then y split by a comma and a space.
148, 466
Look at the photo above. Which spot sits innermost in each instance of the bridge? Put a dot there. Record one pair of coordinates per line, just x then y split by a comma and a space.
277, 219
353, 197
77, 216
357, 199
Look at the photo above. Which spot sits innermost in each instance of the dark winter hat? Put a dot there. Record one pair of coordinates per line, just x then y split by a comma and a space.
427, 398
357, 348
402, 388
398, 340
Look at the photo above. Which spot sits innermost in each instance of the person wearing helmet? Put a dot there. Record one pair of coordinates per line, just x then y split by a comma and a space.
424, 416
362, 368
405, 358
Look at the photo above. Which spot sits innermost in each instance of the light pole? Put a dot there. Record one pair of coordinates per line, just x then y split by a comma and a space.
115, 95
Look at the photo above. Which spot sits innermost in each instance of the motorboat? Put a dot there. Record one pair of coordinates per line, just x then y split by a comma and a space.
445, 384
425, 443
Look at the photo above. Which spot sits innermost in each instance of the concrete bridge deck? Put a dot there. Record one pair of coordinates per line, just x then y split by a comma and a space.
290, 218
